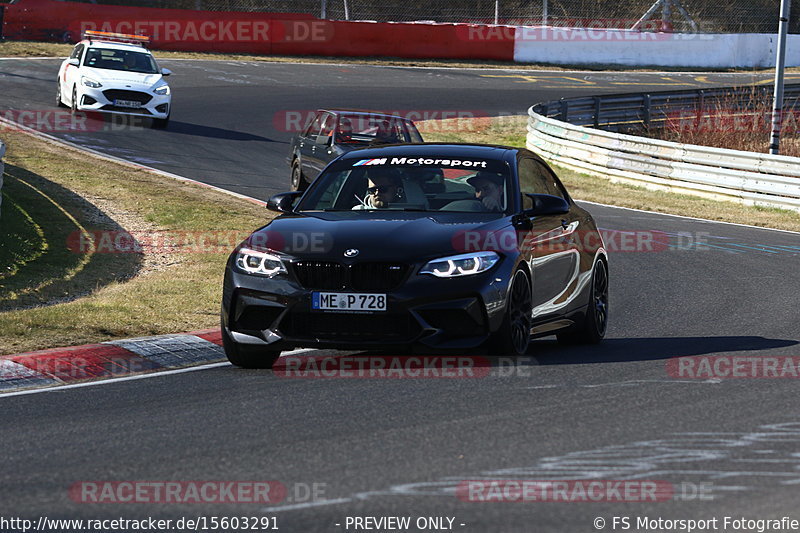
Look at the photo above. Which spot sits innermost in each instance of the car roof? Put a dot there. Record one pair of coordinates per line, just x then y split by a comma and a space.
336, 111
112, 45
434, 150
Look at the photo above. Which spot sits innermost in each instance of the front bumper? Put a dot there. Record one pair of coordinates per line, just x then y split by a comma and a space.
457, 313
103, 100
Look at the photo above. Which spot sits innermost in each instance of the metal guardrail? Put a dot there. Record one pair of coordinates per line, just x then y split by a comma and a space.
634, 112
746, 177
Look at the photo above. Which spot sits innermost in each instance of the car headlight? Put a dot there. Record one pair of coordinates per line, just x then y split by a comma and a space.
89, 82
461, 265
164, 89
259, 263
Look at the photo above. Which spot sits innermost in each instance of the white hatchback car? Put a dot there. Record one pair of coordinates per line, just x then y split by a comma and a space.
115, 73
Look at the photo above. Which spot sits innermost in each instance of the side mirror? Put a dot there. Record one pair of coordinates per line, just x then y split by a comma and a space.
546, 204
283, 202
165, 72
74, 61
324, 140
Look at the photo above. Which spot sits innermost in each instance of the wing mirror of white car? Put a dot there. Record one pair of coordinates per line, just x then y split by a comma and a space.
73, 61
165, 72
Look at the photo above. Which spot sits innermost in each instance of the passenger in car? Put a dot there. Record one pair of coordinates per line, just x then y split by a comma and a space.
344, 133
387, 133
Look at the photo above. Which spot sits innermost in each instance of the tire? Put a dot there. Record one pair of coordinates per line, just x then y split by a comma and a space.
514, 335
74, 104
246, 355
299, 181
59, 103
160, 123
595, 322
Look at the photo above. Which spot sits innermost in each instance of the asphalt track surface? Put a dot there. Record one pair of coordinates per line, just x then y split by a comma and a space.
399, 447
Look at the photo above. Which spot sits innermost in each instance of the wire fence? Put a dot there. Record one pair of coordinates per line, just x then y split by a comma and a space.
711, 16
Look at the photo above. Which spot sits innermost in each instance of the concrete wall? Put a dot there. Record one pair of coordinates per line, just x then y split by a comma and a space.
631, 48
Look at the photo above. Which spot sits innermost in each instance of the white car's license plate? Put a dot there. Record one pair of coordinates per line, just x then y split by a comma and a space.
348, 301
127, 103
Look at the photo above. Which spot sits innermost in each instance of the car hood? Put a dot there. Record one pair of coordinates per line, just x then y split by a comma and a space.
395, 236
117, 79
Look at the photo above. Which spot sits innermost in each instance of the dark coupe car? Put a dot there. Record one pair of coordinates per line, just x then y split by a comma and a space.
333, 132
439, 246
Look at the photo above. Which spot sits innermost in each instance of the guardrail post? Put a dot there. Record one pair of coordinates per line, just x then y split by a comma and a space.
2, 153
647, 112
565, 110
596, 111
701, 105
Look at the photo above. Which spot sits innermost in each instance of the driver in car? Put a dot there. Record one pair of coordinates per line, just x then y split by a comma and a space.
488, 189
130, 62
382, 189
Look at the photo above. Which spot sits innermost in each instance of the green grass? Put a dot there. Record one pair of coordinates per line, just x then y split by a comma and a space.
36, 263
22, 239
51, 295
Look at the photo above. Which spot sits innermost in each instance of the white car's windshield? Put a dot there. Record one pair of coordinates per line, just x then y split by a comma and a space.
125, 60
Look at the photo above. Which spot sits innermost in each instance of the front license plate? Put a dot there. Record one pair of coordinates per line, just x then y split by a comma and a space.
348, 301
127, 103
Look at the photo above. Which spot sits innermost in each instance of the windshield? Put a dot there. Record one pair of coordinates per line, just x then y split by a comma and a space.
125, 60
412, 183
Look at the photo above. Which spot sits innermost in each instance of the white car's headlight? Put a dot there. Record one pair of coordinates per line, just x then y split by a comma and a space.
461, 265
259, 263
164, 89
89, 82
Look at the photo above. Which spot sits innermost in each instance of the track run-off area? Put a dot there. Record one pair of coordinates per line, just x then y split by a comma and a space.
621, 411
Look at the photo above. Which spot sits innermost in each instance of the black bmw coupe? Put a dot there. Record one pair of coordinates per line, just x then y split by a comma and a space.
439, 246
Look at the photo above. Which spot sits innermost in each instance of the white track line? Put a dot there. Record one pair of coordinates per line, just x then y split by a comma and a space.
131, 378
307, 505
689, 218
